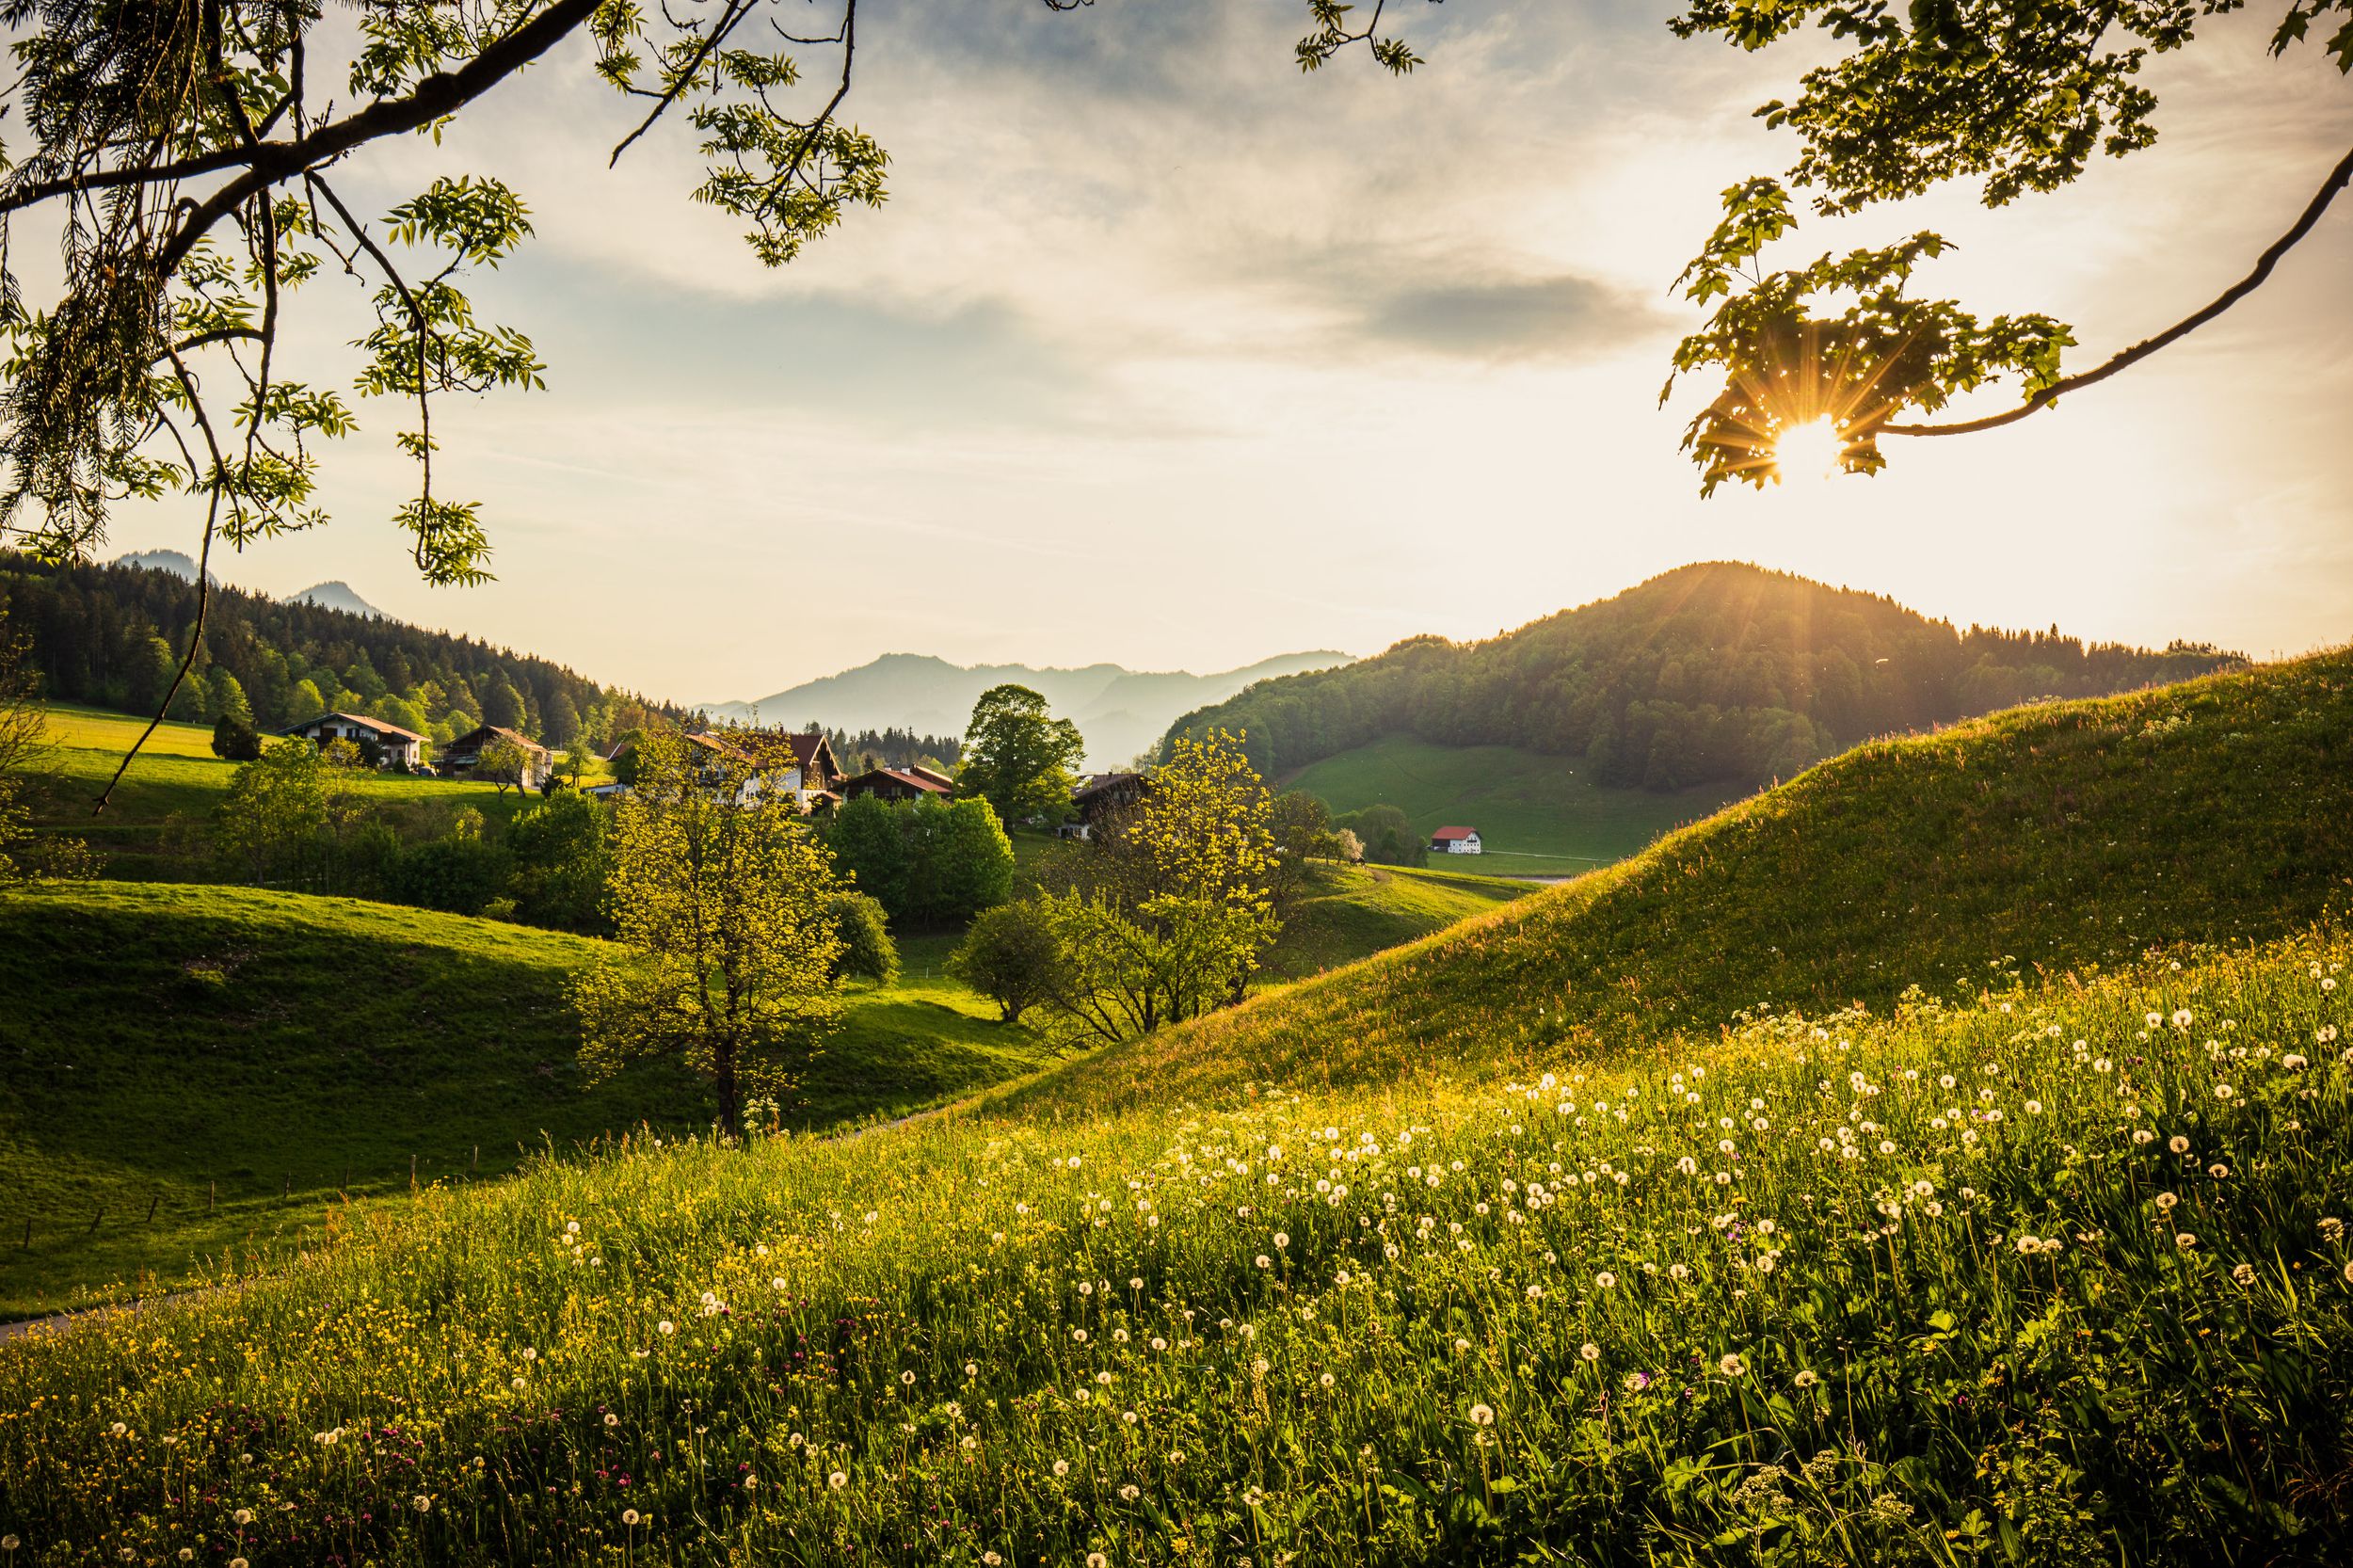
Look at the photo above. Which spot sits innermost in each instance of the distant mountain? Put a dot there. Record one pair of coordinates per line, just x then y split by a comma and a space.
1120, 712
172, 561
1717, 673
336, 594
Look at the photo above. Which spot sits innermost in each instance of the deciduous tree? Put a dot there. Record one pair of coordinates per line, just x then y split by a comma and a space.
1019, 757
274, 806
724, 912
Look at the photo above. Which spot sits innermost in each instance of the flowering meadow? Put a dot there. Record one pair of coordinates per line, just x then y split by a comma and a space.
2059, 1275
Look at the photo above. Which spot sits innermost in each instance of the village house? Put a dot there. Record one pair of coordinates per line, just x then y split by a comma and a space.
1456, 841
811, 776
394, 745
464, 754
898, 784
1099, 796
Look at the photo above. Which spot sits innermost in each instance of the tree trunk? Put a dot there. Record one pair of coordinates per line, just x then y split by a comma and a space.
723, 1074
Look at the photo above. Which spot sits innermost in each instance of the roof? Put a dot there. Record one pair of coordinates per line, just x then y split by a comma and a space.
932, 774
908, 777
1096, 784
382, 726
474, 740
1448, 834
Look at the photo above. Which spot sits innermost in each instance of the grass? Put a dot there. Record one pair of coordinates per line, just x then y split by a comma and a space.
1784, 1297
199, 1071
1346, 913
2056, 839
174, 786
1536, 814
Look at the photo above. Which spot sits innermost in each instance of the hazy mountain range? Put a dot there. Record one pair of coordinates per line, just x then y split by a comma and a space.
336, 594
1120, 712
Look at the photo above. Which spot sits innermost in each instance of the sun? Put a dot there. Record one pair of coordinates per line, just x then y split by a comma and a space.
1814, 449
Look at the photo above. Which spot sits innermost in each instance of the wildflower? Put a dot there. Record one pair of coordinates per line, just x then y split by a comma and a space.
1590, 1350
1326, 1380
1281, 1240
612, 1420
665, 1326
2143, 1135
1730, 1365
1461, 1345
629, 1517
2186, 1241
424, 1504
2218, 1170
2243, 1273
907, 1379
836, 1480
2331, 1227
1481, 1416
1129, 1493
1607, 1280
971, 1369
1678, 1271
243, 1516
530, 1355
1062, 1466
1265, 1262
1807, 1378
2223, 1091
991, 1559
2166, 1200
2178, 1143
2030, 1244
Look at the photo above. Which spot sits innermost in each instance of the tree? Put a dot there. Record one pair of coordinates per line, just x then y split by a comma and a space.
227, 698
725, 916
1019, 757
1010, 956
1300, 825
867, 951
234, 739
503, 764
307, 702
502, 709
870, 843
1386, 836
967, 860
1166, 917
275, 806
562, 856
2017, 97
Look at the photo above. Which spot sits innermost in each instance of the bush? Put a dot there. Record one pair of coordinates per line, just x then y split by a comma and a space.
234, 739
1009, 956
867, 951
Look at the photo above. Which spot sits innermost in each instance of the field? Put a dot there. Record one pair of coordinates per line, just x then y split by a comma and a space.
1604, 1227
208, 1071
172, 788
194, 1070
1535, 815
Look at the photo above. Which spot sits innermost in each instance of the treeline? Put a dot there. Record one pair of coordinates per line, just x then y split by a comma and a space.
862, 750
1721, 672
111, 636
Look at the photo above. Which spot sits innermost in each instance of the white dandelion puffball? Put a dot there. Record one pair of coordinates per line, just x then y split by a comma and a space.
2243, 1273
2186, 1241
2178, 1143
629, 1517
1482, 1415
1807, 1378
836, 1480
1607, 1280
424, 1504
665, 1326
1731, 1366
1590, 1350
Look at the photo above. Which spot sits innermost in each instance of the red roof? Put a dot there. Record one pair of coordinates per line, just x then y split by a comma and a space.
1448, 835
908, 777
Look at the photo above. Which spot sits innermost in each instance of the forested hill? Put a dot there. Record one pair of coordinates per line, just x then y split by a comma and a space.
111, 636
1717, 672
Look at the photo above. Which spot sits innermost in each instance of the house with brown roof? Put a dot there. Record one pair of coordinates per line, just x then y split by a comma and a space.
464, 754
394, 745
898, 784
810, 776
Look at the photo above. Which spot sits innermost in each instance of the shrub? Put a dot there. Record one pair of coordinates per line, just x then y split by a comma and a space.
867, 951
234, 739
1009, 956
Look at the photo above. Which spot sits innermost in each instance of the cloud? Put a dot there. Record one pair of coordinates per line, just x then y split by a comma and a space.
1563, 317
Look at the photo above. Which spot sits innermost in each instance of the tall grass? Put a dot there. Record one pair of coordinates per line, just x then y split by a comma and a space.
2055, 1276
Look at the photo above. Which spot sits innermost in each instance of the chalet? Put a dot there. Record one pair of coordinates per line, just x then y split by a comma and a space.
395, 746
897, 784
810, 776
1099, 796
1456, 841
464, 754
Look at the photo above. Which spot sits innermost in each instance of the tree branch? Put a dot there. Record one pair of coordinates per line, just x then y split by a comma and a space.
737, 10
2336, 180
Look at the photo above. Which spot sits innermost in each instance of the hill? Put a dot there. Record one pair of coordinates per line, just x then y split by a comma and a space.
1120, 712
1934, 1290
177, 562
2058, 839
1537, 815
198, 1070
336, 594
1719, 673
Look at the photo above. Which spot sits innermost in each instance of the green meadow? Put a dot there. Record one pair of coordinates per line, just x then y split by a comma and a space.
1536, 814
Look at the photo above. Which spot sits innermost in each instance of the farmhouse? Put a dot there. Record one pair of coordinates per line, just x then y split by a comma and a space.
1456, 841
464, 754
812, 777
898, 784
1099, 796
395, 746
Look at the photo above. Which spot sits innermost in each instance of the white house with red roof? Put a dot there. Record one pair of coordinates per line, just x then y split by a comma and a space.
1456, 841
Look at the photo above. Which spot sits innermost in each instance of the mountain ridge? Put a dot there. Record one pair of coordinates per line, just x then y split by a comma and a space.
1121, 711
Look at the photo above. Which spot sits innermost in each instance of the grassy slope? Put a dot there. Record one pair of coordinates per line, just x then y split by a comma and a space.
2060, 837
176, 774
1536, 814
1349, 912
157, 1039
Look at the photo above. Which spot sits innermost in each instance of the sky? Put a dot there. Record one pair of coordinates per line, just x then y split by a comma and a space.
1163, 353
